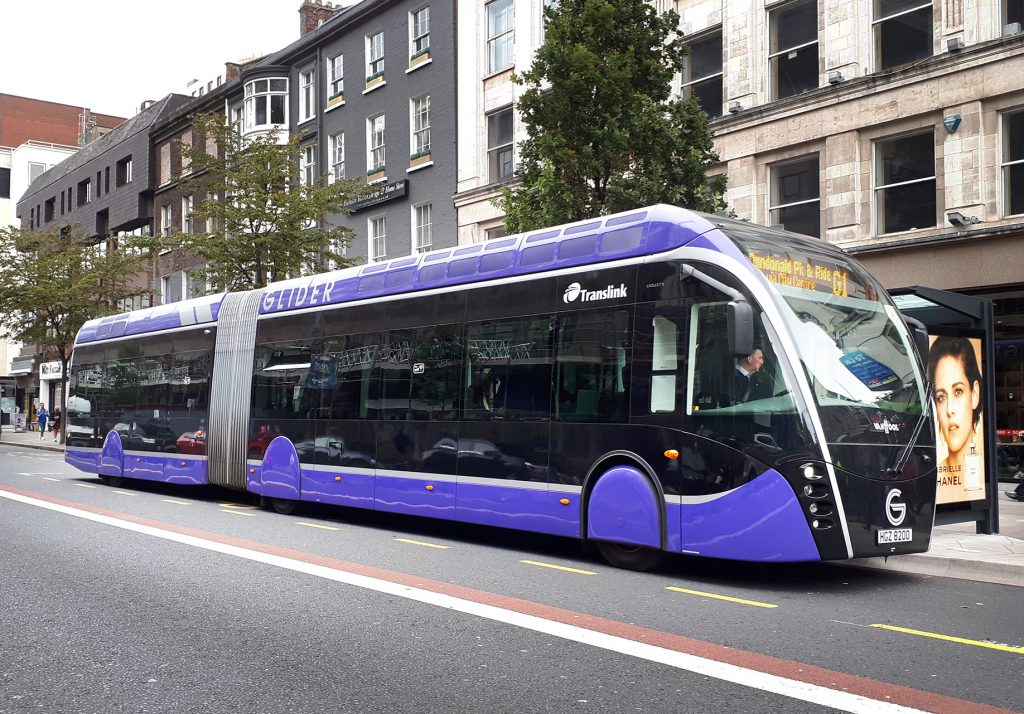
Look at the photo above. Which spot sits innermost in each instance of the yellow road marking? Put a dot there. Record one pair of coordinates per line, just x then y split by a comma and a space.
238, 513
126, 493
741, 601
85, 485
317, 525
558, 567
425, 545
243, 506
948, 638
178, 503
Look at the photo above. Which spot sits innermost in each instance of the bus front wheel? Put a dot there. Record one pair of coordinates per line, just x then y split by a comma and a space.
630, 557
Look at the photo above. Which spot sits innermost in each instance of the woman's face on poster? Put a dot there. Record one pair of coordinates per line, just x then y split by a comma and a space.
955, 401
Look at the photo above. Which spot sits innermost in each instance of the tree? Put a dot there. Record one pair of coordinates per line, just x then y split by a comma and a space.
53, 281
603, 134
263, 223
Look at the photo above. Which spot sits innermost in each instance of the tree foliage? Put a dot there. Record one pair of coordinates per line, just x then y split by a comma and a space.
262, 223
603, 134
53, 281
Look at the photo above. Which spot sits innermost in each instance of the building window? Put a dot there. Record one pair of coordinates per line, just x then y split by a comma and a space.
48, 208
795, 202
265, 103
702, 75
419, 32
186, 214
337, 76
420, 125
307, 94
793, 59
421, 228
496, 232
500, 35
123, 171
5, 184
1013, 11
195, 283
172, 287
307, 165
905, 196
375, 144
165, 220
165, 163
1013, 163
903, 32
35, 170
499, 145
374, 55
186, 158
338, 156
84, 192
378, 239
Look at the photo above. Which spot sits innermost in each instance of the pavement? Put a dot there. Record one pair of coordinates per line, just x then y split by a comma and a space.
957, 550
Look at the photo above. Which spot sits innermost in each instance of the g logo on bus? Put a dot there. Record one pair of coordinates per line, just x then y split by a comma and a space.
895, 510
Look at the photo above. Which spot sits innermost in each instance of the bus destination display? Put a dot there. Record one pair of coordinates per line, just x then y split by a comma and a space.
802, 273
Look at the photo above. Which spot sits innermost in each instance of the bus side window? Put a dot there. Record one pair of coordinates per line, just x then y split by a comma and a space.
508, 370
664, 365
593, 357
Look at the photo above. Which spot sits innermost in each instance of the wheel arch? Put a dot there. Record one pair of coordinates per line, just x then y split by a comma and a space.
609, 461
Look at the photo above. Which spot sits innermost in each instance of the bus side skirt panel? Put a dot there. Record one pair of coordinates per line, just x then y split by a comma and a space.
538, 510
112, 456
760, 521
146, 468
280, 475
625, 508
341, 489
191, 472
87, 461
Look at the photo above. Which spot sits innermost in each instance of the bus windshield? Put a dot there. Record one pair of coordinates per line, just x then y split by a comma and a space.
853, 345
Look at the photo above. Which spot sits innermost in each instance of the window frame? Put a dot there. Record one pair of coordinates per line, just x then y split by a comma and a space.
376, 154
1006, 164
307, 93
419, 146
773, 177
773, 57
337, 75
877, 188
493, 152
504, 38
418, 35
686, 88
253, 95
307, 165
418, 245
374, 62
376, 240
876, 29
337, 158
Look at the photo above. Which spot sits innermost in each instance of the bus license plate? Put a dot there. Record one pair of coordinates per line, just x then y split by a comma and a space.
895, 535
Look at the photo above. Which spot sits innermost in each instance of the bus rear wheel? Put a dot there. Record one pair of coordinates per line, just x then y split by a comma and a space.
115, 481
284, 506
630, 557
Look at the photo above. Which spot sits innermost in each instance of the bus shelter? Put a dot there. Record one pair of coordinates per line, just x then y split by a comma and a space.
968, 473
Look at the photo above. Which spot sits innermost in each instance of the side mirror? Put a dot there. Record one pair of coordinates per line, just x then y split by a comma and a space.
739, 318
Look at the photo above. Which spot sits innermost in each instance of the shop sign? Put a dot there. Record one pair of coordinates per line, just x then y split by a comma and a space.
50, 370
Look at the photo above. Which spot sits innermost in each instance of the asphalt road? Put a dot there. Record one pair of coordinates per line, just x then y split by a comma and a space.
162, 599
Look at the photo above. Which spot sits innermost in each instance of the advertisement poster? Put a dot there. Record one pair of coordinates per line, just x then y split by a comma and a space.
954, 367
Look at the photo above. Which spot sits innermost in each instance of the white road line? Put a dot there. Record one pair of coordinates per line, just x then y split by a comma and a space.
820, 696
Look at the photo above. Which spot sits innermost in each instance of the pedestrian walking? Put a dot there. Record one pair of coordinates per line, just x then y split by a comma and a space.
41, 416
55, 424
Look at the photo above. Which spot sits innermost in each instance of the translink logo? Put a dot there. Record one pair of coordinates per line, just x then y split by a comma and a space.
576, 290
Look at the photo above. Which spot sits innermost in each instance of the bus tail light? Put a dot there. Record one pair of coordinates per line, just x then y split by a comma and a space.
822, 524
813, 490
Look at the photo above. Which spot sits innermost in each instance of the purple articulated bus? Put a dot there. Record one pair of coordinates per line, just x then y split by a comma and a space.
653, 381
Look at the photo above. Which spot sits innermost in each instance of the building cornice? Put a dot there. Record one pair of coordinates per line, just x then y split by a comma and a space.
943, 239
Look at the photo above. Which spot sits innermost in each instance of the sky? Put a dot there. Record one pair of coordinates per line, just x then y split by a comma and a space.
111, 55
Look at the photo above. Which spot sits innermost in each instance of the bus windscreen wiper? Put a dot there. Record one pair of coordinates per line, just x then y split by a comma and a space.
904, 456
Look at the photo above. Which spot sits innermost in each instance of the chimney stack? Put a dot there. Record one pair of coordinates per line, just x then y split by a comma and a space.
314, 13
